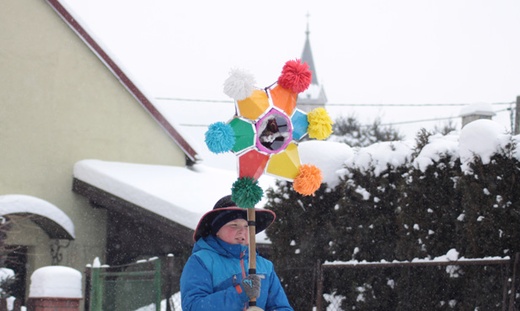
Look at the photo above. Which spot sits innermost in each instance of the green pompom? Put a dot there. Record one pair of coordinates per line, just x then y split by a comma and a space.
246, 192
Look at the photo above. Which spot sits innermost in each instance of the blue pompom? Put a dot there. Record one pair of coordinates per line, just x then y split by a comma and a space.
220, 137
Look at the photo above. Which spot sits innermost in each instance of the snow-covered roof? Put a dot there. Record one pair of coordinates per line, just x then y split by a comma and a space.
180, 194
53, 220
482, 109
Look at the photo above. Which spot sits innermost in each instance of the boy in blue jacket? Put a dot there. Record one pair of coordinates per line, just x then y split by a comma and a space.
215, 276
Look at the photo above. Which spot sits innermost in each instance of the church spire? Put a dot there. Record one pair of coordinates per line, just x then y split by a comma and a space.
314, 96
307, 54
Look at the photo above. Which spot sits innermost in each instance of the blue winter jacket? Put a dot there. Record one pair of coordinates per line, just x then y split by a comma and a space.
212, 276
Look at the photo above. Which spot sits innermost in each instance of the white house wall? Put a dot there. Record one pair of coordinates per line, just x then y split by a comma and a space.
59, 104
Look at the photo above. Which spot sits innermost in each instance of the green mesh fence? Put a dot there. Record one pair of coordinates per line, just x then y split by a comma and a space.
125, 288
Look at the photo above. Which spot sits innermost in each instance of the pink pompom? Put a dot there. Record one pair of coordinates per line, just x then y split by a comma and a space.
296, 76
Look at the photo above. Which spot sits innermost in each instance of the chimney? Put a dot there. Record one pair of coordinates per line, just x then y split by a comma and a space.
475, 112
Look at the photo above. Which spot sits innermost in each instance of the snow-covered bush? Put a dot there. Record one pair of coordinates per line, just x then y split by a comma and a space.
406, 200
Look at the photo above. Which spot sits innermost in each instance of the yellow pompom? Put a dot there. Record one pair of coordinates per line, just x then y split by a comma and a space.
320, 124
308, 180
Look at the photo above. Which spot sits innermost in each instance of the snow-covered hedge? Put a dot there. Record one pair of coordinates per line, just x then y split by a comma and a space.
404, 200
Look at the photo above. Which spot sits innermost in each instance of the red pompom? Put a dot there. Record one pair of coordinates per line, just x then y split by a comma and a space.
296, 76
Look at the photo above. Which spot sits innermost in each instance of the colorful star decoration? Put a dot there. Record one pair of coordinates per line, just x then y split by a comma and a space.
265, 131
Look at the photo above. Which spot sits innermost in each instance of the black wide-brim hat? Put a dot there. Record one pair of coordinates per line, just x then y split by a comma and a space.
226, 207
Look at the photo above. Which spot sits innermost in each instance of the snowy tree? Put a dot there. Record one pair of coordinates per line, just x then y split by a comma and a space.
430, 203
350, 131
301, 237
367, 227
427, 222
400, 201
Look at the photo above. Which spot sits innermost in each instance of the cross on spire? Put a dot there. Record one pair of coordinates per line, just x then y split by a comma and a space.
307, 32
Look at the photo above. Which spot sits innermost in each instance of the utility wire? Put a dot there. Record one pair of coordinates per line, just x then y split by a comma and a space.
417, 121
351, 105
195, 100
338, 104
382, 124
409, 105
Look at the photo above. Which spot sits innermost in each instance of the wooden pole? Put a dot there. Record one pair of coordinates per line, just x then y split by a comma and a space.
516, 130
251, 221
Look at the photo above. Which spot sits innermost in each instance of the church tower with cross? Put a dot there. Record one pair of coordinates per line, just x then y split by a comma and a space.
314, 96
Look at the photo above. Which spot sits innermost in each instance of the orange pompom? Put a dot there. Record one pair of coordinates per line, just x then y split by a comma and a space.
308, 180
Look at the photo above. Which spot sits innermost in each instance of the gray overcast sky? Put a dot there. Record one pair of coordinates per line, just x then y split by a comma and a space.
365, 52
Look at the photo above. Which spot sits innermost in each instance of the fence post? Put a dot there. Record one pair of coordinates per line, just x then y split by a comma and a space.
88, 276
96, 299
506, 286
157, 284
169, 281
319, 286
55, 288
314, 283
512, 294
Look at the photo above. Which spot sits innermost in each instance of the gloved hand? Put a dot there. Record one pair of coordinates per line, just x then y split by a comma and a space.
251, 285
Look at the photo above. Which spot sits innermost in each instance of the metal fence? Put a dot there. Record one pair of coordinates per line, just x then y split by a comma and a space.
152, 286
327, 301
145, 286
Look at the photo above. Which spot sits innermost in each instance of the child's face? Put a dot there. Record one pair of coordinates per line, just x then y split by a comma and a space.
235, 232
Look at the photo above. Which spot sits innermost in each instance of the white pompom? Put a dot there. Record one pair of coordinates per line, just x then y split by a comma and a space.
239, 85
